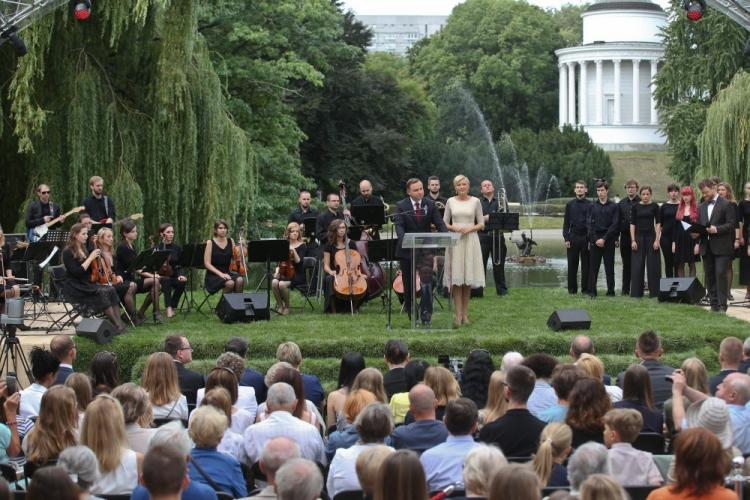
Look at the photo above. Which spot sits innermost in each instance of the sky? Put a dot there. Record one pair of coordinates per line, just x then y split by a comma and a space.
434, 7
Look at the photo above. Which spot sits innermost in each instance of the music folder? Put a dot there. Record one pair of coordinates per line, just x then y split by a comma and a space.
694, 228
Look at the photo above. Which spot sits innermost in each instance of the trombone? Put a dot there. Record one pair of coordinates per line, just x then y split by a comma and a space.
502, 201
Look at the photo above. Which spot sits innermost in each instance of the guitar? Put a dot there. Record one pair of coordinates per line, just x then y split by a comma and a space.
134, 217
37, 233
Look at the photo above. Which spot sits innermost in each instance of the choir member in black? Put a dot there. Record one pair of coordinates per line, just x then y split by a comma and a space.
7, 283
281, 284
668, 217
684, 248
496, 250
303, 210
337, 238
743, 215
217, 259
725, 191
645, 233
99, 206
78, 285
366, 198
173, 281
328, 215
626, 208
433, 191
42, 210
104, 241
145, 282
575, 233
603, 230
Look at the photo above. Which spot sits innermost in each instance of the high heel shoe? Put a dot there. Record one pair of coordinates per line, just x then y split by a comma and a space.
456, 324
465, 321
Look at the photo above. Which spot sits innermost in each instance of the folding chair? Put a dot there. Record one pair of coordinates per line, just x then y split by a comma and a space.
651, 442
72, 309
310, 265
206, 300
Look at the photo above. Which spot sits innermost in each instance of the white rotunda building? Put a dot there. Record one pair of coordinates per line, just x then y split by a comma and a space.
606, 83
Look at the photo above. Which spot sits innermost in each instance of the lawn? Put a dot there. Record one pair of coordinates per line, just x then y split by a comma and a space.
499, 324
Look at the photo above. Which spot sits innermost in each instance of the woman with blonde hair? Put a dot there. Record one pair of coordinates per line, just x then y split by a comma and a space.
514, 481
464, 268
480, 466
231, 442
280, 285
601, 487
56, 427
370, 379
104, 432
81, 385
554, 448
160, 381
444, 385
696, 377
368, 465
496, 403
592, 366
355, 402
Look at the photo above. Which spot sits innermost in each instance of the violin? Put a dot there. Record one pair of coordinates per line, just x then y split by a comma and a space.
166, 268
286, 267
238, 255
101, 272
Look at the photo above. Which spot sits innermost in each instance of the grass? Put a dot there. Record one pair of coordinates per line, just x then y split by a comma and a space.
646, 167
541, 222
499, 324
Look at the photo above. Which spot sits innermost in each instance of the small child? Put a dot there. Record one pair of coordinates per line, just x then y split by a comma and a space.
630, 467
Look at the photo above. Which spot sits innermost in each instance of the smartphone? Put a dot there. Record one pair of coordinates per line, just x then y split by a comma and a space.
669, 379
11, 383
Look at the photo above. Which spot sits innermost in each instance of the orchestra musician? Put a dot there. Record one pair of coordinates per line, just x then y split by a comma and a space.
7, 283
337, 238
99, 206
145, 282
217, 259
366, 198
496, 250
331, 212
172, 279
281, 284
104, 241
433, 188
42, 210
78, 286
303, 210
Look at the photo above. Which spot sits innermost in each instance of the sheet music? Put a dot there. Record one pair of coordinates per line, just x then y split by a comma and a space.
49, 257
685, 225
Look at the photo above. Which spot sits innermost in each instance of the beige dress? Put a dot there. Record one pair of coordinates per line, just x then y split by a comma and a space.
463, 262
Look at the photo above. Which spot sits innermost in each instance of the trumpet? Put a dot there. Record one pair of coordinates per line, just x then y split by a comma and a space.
386, 206
440, 205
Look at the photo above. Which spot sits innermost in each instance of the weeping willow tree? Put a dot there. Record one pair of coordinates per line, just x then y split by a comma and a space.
130, 95
724, 143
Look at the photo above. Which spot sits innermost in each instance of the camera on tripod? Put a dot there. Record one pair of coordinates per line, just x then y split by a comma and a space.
454, 364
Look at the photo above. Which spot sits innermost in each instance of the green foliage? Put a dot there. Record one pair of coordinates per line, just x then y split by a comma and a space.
569, 24
700, 59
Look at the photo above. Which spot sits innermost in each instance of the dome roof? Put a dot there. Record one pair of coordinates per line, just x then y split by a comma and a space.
601, 5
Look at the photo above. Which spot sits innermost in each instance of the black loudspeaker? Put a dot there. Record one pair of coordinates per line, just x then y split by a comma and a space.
245, 307
99, 330
569, 319
685, 290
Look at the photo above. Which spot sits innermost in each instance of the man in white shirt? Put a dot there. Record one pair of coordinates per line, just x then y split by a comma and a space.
280, 422
44, 367
64, 349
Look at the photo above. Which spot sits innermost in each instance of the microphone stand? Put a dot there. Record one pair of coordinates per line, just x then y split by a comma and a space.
392, 218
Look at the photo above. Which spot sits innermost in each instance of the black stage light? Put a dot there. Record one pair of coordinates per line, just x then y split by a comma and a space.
81, 9
695, 9
15, 40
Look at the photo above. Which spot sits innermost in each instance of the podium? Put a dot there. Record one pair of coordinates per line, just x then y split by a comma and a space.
424, 241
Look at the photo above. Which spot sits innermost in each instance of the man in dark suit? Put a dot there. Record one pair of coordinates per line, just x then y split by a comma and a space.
648, 349
417, 214
717, 247
179, 348
64, 349
331, 213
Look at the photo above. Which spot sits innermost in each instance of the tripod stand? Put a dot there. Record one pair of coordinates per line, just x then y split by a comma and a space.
11, 353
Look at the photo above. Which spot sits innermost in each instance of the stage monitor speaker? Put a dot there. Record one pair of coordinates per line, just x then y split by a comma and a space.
569, 319
245, 307
99, 330
685, 290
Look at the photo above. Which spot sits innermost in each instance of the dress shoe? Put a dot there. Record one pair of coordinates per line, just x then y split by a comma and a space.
610, 294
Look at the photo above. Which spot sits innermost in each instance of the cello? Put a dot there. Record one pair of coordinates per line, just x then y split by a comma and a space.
349, 283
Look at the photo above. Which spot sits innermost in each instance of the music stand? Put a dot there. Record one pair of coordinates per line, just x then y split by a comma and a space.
368, 215
503, 221
310, 223
267, 251
150, 261
384, 251
191, 258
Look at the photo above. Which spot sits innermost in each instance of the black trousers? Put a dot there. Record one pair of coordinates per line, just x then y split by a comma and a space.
715, 267
625, 256
172, 288
490, 249
666, 250
606, 253
645, 259
579, 250
423, 267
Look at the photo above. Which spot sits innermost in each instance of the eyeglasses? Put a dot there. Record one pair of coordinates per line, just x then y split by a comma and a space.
185, 349
45, 192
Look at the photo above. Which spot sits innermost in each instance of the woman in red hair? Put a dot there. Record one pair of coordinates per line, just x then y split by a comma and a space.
685, 248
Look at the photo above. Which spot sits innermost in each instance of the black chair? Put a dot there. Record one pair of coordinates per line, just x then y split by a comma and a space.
29, 468
639, 492
115, 497
650, 442
18, 494
9, 473
518, 460
308, 289
206, 300
72, 310
158, 422
222, 496
456, 493
349, 495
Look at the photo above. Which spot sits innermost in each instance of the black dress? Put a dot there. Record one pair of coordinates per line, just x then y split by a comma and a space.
5, 267
299, 267
171, 286
80, 289
684, 244
743, 214
124, 258
645, 258
221, 258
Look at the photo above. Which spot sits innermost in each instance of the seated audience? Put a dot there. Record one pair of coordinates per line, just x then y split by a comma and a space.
630, 467
696, 377
564, 377
351, 364
699, 470
401, 477
589, 403
480, 466
396, 356
208, 465
160, 382
730, 357
164, 473
64, 349
745, 363
496, 404
588, 459
425, 432
227, 379
517, 432
280, 422
602, 487
136, 408
355, 403
299, 479
44, 367
80, 462
250, 378
373, 425
81, 385
514, 481
735, 391
510, 359
582, 344
55, 429
178, 346
289, 352
543, 396
444, 385
370, 379
591, 366
636, 394
368, 465
17, 425
103, 370
104, 432
52, 479
306, 409
443, 463
554, 448
231, 442
245, 395
276, 453
414, 373
648, 349
478, 369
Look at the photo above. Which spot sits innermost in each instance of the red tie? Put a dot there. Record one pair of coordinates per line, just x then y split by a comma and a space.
417, 212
